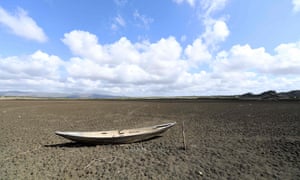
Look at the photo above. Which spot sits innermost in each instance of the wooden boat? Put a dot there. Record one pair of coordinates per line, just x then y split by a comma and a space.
116, 136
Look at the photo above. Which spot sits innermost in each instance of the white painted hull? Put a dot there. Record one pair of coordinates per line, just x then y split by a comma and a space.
116, 136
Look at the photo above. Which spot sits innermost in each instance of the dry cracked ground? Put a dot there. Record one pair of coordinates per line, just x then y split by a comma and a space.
225, 139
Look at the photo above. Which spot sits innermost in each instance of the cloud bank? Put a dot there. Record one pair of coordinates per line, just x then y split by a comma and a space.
158, 68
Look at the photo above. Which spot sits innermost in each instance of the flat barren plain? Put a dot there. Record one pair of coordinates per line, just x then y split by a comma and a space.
225, 139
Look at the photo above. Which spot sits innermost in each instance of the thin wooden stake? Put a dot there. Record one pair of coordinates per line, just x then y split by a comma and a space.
183, 135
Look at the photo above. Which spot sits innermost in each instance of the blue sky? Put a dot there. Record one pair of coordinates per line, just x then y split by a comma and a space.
147, 48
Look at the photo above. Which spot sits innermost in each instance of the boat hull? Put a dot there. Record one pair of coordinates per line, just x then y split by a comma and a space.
116, 136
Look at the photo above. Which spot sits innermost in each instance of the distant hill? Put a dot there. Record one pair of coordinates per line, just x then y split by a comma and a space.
267, 95
272, 95
54, 95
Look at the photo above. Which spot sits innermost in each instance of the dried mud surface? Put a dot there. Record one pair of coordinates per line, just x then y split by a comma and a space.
225, 139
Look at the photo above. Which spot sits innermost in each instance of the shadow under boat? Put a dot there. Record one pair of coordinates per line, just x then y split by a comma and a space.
74, 144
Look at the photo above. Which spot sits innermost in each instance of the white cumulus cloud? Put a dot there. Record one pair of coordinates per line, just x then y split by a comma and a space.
216, 31
22, 25
296, 5
197, 53
37, 65
147, 68
164, 67
239, 58
36, 72
190, 2
124, 61
287, 59
85, 44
